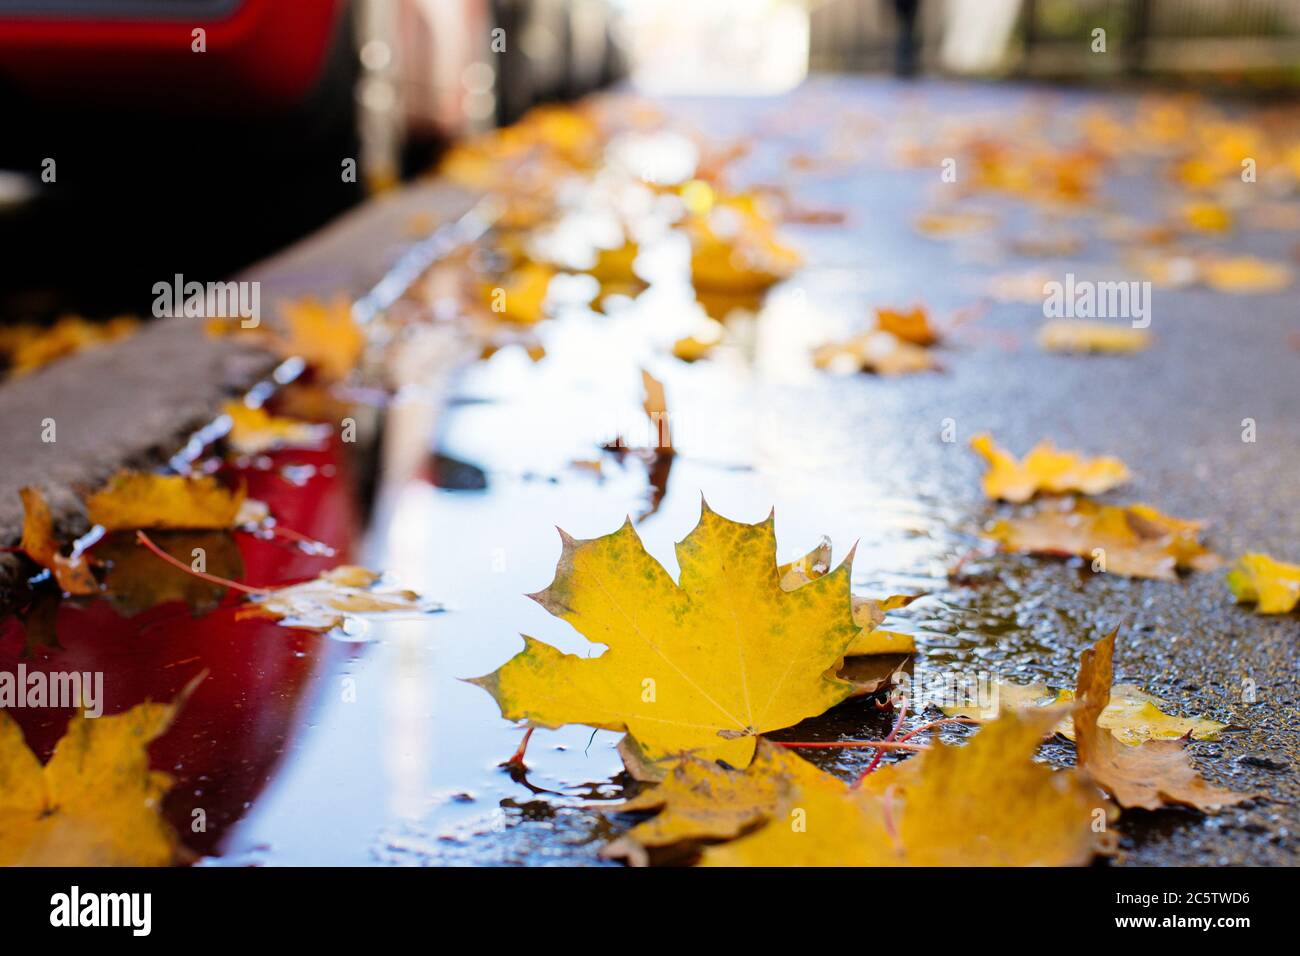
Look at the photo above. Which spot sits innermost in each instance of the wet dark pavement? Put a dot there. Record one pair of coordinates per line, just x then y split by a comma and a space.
393, 759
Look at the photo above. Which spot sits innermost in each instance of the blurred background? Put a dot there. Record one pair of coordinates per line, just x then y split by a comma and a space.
153, 137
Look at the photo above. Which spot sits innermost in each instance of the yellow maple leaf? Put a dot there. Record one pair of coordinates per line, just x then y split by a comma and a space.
520, 296
704, 665
1273, 586
1134, 540
1079, 335
1207, 217
941, 224
616, 267
29, 347
693, 347
136, 500
702, 799
72, 573
735, 249
96, 803
254, 430
910, 326
987, 803
868, 613
1045, 469
324, 334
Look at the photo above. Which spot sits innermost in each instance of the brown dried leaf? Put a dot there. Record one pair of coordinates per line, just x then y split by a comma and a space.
1151, 775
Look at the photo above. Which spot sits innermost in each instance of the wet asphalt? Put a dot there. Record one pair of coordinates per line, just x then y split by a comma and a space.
1174, 413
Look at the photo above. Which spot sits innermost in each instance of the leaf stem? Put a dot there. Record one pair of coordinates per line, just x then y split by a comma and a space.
830, 744
143, 539
517, 758
880, 752
936, 723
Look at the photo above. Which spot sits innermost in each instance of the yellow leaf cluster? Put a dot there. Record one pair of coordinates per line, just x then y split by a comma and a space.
1045, 469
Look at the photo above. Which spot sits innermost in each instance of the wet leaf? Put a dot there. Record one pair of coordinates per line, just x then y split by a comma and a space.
911, 326
1207, 217
254, 430
1245, 274
136, 581
1273, 586
71, 573
734, 246
1151, 775
326, 602
520, 296
96, 803
692, 348
951, 225
1132, 715
1045, 469
655, 404
324, 334
704, 665
868, 613
137, 500
614, 269
874, 351
705, 800
1080, 335
1133, 540
987, 803
28, 347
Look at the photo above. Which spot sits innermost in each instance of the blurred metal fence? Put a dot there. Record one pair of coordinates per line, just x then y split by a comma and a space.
1054, 37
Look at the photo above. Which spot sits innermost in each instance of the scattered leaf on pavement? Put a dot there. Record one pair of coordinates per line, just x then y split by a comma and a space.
1245, 274
911, 326
1132, 715
137, 500
254, 430
27, 347
326, 602
72, 573
520, 296
1045, 469
324, 334
1081, 335
1133, 540
1151, 775
882, 353
1273, 586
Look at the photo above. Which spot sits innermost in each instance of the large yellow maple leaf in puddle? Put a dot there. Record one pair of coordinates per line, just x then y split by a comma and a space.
96, 803
702, 665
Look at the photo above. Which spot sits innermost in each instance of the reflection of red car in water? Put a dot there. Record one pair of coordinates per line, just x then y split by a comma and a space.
233, 731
